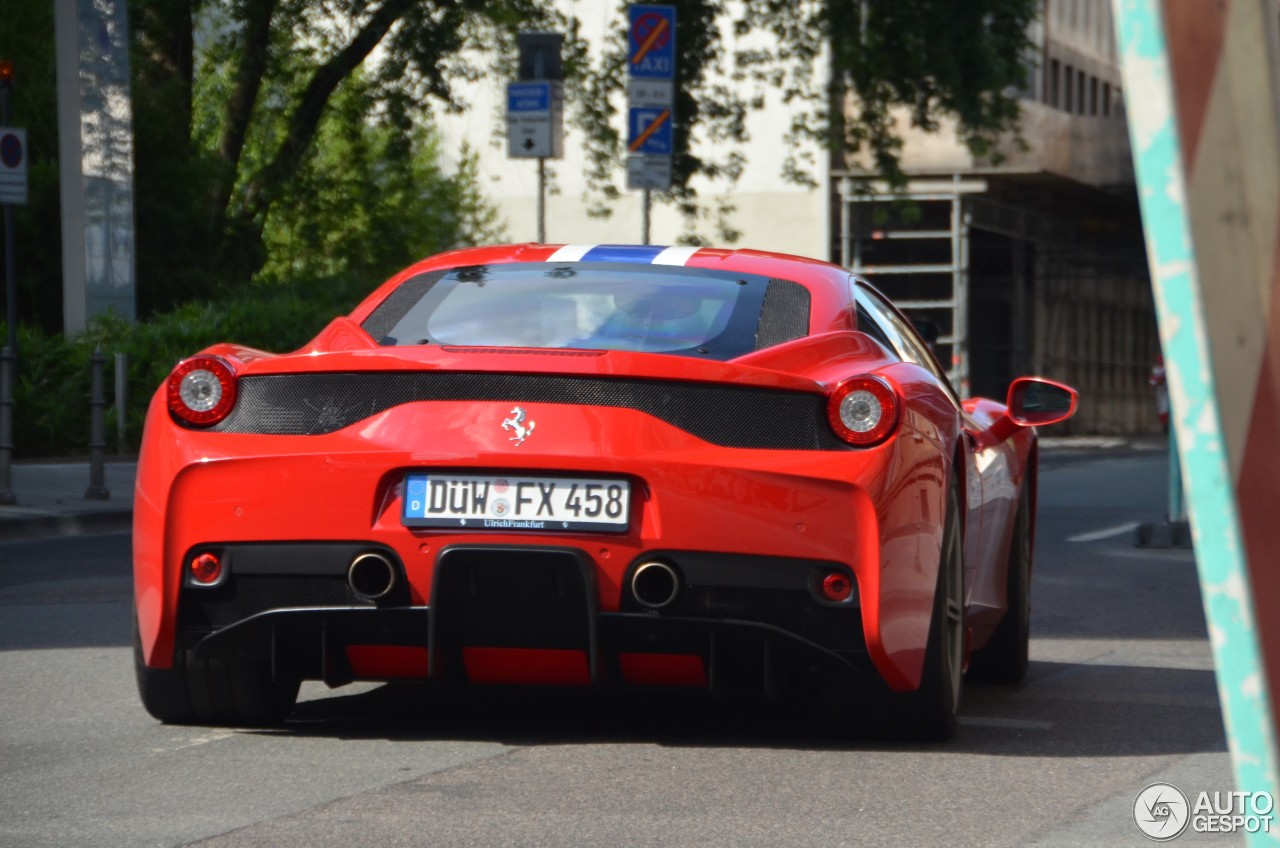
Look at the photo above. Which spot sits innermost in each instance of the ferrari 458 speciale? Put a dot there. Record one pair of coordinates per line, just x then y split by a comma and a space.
588, 465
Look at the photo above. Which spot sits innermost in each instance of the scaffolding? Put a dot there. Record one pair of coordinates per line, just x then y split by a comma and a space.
1010, 291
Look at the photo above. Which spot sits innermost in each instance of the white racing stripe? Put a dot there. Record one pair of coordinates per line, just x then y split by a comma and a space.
570, 253
675, 255
1098, 535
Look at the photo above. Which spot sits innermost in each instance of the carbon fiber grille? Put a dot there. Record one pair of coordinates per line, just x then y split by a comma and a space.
784, 316
248, 595
729, 416
834, 627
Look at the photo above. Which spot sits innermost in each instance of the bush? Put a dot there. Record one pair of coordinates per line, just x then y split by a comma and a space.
51, 413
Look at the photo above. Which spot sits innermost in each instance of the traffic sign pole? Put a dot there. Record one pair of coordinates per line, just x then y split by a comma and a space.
542, 200
645, 206
8, 356
651, 68
10, 277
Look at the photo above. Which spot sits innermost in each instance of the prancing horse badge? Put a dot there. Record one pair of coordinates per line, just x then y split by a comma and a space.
515, 424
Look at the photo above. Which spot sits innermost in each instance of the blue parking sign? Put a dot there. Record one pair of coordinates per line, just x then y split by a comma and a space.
649, 131
651, 42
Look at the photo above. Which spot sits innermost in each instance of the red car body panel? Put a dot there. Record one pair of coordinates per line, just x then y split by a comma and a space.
879, 510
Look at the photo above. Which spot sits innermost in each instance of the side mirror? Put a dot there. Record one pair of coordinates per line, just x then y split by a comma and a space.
1035, 402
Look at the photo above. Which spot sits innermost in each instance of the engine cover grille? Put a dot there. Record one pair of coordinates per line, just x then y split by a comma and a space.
725, 415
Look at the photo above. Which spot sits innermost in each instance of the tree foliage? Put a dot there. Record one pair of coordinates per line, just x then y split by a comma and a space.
278, 134
297, 151
845, 68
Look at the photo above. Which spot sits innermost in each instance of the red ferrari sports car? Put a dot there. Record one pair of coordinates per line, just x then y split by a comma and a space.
587, 465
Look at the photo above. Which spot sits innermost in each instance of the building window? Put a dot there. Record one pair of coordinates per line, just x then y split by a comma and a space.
1055, 79
1079, 93
1068, 90
1106, 99
1093, 95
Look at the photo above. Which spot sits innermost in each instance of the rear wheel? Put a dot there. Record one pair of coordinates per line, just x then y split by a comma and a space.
214, 691
163, 690
929, 713
1004, 658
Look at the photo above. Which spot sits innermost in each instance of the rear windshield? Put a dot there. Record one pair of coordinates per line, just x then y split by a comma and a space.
600, 306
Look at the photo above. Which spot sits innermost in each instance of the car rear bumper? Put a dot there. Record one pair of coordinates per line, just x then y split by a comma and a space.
341, 645
525, 615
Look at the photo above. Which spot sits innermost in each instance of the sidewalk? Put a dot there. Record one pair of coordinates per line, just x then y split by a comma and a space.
51, 500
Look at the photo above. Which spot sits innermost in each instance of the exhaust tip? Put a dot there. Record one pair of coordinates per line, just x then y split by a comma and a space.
655, 584
371, 576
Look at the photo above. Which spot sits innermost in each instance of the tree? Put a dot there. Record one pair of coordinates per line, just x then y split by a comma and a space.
245, 112
226, 132
963, 59
26, 39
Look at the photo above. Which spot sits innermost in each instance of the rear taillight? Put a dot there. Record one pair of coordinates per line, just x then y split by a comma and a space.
863, 410
202, 390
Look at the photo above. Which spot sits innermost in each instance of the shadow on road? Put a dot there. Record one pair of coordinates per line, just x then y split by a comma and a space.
1064, 710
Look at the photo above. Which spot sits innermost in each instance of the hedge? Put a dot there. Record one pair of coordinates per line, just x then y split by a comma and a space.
51, 412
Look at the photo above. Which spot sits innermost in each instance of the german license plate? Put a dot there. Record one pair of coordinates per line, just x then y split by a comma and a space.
547, 504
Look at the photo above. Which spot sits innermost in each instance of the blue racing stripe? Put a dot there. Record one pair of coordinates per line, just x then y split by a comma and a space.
641, 254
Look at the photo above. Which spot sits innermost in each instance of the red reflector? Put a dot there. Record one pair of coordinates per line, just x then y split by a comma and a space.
663, 669
206, 569
386, 661
531, 666
837, 587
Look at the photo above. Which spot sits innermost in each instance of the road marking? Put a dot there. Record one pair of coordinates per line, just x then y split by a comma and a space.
212, 736
1097, 535
1005, 723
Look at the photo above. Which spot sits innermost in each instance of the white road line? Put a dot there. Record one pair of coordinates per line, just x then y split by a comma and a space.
192, 742
1096, 535
1006, 723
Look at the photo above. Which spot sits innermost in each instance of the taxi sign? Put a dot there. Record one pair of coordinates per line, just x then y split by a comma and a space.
651, 42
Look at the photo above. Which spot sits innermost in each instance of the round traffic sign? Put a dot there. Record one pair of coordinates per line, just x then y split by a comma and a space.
645, 24
10, 150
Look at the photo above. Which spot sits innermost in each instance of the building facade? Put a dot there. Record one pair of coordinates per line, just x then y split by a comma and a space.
1031, 261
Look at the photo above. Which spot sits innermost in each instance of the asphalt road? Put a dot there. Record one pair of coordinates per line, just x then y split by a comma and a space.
1121, 694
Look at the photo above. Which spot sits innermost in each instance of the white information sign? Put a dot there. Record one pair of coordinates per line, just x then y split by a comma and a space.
13, 166
535, 120
651, 172
645, 93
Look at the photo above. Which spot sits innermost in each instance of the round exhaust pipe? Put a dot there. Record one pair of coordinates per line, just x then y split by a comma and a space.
371, 576
655, 584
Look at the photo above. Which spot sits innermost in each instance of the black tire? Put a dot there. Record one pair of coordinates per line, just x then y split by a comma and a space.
1004, 658
929, 713
214, 692
163, 690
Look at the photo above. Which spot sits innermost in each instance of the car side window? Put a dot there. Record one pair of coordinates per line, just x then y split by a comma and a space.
901, 336
868, 325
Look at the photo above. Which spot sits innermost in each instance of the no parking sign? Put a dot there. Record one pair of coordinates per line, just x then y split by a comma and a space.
651, 71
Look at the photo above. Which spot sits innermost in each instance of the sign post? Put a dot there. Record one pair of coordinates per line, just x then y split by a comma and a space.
651, 70
535, 110
13, 190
